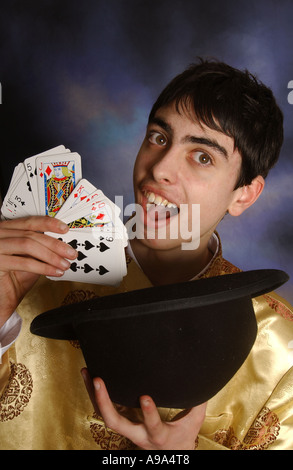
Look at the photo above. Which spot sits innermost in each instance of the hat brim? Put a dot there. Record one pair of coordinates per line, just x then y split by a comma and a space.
179, 343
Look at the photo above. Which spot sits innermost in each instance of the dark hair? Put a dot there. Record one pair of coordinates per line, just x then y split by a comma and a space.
233, 102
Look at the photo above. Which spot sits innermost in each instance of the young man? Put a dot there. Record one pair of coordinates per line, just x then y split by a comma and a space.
212, 137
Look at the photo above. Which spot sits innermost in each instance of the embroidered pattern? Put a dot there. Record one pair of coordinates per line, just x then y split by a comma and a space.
264, 431
260, 436
17, 392
78, 296
279, 307
108, 439
220, 266
227, 438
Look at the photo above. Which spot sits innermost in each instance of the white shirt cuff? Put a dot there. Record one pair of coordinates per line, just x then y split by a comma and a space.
9, 332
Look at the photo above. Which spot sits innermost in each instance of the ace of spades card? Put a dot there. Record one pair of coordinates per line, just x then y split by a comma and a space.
101, 258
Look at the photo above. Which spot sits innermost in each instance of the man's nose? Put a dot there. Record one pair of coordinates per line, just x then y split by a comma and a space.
166, 168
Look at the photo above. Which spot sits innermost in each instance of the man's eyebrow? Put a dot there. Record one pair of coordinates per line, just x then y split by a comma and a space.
160, 122
205, 141
190, 138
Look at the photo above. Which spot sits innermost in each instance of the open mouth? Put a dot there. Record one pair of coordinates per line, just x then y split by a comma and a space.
159, 208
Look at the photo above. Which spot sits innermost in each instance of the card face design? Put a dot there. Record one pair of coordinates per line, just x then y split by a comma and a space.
51, 183
31, 170
57, 179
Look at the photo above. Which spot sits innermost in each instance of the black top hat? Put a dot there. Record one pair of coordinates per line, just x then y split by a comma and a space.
178, 343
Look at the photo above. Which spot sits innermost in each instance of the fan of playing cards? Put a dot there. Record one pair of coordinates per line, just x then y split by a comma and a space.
51, 183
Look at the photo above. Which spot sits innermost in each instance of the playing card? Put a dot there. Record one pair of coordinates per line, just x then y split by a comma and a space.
95, 213
79, 195
21, 198
31, 170
18, 200
101, 258
17, 172
50, 183
57, 176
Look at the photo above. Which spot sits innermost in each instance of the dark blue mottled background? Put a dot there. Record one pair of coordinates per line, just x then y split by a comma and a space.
85, 74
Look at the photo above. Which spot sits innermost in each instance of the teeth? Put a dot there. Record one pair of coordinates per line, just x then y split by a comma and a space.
159, 201
151, 197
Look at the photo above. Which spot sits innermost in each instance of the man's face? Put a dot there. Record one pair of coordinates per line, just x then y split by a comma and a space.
58, 172
182, 162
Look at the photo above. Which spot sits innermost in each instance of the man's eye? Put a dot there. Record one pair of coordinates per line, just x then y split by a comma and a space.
157, 138
202, 158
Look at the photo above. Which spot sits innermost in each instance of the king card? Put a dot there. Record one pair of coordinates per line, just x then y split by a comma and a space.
83, 191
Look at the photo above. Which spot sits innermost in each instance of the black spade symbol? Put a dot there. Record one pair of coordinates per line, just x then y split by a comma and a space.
87, 268
81, 256
73, 267
102, 270
103, 247
73, 243
88, 245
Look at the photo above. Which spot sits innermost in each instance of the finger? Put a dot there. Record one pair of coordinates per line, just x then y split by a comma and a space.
152, 419
90, 389
28, 247
57, 246
135, 432
195, 415
28, 242
112, 418
35, 223
105, 405
29, 265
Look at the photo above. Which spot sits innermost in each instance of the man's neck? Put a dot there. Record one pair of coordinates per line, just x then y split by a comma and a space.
170, 266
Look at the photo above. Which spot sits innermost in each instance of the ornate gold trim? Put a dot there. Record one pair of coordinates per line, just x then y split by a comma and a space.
17, 392
279, 307
260, 435
106, 438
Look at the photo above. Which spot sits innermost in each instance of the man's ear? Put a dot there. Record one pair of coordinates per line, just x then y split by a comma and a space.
246, 196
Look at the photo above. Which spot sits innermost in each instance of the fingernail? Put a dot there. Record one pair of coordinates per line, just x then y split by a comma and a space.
65, 264
97, 385
63, 227
59, 272
71, 252
145, 401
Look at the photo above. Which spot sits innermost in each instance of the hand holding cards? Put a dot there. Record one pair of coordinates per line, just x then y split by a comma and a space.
51, 184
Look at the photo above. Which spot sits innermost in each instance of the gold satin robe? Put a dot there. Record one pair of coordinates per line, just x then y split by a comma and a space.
44, 404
